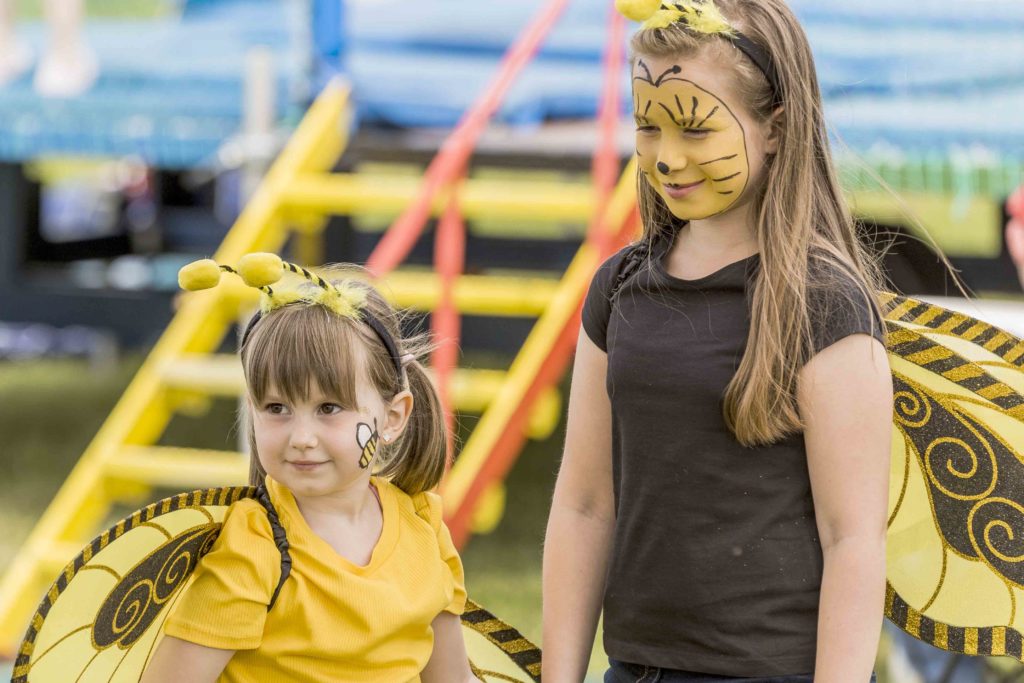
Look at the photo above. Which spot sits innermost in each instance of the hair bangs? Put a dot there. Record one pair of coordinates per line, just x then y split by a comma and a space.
299, 348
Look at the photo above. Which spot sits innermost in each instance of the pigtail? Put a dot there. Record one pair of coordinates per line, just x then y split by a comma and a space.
257, 475
417, 459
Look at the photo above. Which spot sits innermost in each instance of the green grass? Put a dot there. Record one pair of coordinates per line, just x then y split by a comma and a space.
52, 409
26, 10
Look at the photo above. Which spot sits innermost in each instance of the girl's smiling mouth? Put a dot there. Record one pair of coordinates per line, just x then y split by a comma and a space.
306, 465
677, 191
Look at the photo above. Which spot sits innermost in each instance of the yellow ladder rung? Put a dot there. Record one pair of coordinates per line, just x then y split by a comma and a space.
214, 375
488, 295
497, 295
57, 555
386, 194
178, 468
472, 390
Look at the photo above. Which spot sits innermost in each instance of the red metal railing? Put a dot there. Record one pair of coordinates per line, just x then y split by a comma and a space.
443, 175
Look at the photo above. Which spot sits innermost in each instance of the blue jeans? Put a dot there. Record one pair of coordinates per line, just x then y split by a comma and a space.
624, 672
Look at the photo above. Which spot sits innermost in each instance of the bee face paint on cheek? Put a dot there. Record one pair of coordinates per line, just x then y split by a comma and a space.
367, 438
689, 144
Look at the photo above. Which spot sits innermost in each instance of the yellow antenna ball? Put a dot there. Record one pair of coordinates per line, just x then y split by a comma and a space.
260, 269
202, 274
637, 10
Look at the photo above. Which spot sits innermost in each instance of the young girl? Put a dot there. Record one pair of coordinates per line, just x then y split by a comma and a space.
346, 571
724, 483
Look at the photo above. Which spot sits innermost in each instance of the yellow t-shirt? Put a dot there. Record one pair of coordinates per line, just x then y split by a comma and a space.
333, 620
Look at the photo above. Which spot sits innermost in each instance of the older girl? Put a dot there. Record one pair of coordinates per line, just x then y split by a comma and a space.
723, 487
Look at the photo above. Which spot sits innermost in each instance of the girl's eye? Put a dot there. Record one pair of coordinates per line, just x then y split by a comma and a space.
330, 408
698, 133
645, 129
275, 408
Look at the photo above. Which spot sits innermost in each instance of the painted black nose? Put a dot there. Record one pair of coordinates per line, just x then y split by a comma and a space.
663, 167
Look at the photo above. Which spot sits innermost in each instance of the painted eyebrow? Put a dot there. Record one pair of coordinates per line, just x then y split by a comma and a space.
713, 111
670, 114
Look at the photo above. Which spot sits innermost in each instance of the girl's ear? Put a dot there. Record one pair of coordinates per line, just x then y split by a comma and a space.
773, 129
397, 415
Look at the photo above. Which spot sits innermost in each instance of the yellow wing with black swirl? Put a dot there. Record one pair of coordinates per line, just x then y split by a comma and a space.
103, 616
955, 565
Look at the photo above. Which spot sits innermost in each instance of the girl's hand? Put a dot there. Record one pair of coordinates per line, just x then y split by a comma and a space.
449, 662
1015, 244
1015, 231
179, 660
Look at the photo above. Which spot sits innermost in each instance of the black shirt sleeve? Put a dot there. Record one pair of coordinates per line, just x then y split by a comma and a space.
839, 308
597, 306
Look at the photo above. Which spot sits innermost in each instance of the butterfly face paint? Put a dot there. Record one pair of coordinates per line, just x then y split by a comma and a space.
689, 144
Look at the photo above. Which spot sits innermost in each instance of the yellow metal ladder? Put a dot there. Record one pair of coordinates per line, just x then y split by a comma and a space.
123, 466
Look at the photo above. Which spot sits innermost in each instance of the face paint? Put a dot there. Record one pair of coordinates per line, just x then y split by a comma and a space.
690, 146
367, 438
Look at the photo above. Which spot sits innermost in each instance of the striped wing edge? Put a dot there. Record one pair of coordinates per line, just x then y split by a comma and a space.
525, 654
215, 496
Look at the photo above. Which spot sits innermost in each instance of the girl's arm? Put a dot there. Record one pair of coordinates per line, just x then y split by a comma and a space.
448, 663
580, 526
179, 660
845, 398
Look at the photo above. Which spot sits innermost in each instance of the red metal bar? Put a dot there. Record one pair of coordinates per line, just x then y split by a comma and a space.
449, 261
509, 445
457, 149
605, 164
605, 172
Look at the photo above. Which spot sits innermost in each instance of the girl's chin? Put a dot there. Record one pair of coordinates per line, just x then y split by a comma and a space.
691, 214
694, 212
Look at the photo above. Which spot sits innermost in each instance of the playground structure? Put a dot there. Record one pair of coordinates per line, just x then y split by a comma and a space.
123, 464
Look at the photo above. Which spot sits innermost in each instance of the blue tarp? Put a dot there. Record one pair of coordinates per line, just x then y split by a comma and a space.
910, 76
170, 89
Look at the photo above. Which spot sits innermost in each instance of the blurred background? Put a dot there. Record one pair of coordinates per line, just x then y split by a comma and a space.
485, 139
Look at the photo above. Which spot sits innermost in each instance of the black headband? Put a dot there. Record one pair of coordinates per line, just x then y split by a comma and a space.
754, 52
762, 60
368, 318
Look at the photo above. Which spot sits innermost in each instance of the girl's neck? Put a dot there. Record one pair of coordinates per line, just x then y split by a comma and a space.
350, 504
705, 246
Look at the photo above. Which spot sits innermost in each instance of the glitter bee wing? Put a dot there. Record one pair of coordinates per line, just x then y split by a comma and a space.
955, 575
102, 618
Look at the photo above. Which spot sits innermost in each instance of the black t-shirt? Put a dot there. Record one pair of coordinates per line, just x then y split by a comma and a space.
716, 564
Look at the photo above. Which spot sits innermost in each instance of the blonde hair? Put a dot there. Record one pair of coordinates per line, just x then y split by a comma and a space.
303, 343
805, 232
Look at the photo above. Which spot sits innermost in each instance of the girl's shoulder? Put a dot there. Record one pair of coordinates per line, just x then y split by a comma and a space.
619, 266
247, 526
608, 278
425, 506
839, 302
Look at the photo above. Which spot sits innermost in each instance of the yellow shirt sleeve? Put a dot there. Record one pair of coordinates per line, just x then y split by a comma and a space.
428, 506
226, 605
